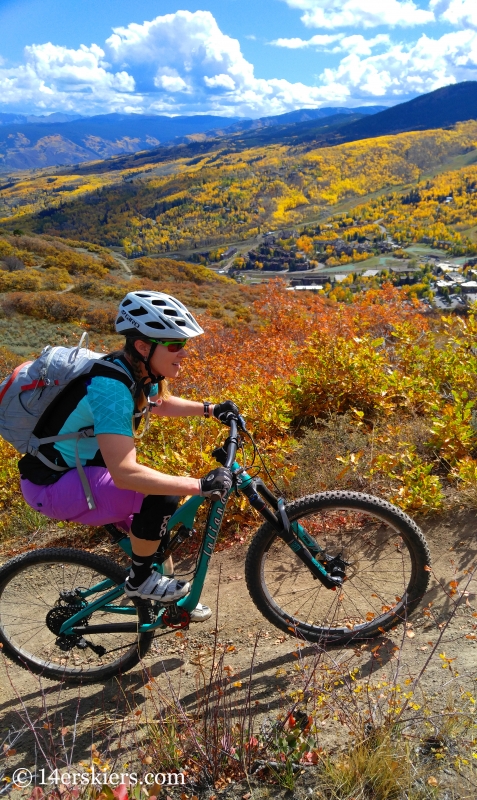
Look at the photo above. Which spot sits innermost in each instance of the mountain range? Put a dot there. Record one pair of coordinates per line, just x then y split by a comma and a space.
439, 109
29, 142
116, 141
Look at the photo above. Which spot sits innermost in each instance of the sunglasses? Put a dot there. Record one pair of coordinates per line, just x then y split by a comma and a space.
173, 345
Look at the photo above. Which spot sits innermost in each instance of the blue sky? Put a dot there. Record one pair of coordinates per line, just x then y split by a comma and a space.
233, 57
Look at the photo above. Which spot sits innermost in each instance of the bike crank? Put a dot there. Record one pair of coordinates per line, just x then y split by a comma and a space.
175, 617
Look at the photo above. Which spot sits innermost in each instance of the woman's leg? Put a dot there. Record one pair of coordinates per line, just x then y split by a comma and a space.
65, 499
148, 531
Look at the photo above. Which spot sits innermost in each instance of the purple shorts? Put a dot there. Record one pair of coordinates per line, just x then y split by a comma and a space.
65, 499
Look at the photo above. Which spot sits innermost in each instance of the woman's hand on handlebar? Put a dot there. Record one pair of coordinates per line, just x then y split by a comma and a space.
217, 482
225, 411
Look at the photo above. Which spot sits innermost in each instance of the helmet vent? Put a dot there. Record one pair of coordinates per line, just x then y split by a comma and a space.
119, 319
181, 322
171, 312
138, 312
126, 302
156, 325
142, 294
158, 302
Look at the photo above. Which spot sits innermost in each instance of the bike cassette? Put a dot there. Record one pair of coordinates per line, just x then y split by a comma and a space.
175, 617
55, 619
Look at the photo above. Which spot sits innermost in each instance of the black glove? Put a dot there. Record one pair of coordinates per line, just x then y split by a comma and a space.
224, 411
218, 482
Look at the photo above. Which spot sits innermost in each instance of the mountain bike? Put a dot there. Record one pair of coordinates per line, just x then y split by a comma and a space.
333, 568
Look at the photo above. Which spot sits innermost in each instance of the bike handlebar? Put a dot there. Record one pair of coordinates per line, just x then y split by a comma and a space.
232, 444
226, 454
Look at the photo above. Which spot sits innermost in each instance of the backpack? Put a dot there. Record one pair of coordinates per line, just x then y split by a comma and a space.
31, 388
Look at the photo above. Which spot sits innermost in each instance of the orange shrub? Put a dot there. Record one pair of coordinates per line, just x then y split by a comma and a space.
101, 318
47, 305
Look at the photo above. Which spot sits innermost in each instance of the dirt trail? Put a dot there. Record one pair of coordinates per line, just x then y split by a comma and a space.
453, 546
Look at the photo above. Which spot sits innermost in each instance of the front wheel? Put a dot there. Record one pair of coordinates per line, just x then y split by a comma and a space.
39, 591
386, 573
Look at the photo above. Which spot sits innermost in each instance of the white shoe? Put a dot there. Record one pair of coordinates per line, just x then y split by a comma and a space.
200, 613
160, 588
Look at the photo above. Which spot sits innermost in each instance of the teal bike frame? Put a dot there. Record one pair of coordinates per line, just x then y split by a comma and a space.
303, 545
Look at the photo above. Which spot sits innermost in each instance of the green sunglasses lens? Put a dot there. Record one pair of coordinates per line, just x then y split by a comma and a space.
173, 345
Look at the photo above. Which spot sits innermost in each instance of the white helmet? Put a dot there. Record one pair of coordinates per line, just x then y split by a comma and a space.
154, 315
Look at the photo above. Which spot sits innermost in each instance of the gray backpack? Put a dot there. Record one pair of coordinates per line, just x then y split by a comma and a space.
27, 393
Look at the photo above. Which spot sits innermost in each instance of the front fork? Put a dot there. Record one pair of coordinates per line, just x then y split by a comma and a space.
292, 533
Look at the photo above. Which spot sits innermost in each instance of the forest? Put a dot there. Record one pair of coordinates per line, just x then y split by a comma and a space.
184, 205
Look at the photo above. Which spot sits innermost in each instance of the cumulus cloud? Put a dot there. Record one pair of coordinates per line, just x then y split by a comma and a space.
457, 12
176, 63
54, 77
362, 13
182, 63
408, 69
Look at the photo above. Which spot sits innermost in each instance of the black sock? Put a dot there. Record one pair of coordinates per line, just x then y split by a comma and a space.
140, 569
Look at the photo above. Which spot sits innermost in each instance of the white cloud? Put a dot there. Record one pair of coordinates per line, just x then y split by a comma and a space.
176, 63
360, 46
171, 83
191, 44
219, 82
347, 44
361, 13
320, 40
457, 12
407, 69
55, 77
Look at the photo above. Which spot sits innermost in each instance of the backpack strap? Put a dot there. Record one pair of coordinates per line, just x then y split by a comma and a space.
98, 369
102, 368
12, 378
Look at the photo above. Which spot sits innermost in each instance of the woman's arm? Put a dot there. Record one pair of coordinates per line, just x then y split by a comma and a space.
119, 454
178, 407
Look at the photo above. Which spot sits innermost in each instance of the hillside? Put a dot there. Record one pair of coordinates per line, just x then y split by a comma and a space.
45, 282
437, 109
225, 196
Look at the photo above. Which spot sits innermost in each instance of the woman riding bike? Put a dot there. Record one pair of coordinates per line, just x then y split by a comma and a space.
135, 497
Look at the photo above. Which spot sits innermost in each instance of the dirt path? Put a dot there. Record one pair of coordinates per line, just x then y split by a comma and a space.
99, 710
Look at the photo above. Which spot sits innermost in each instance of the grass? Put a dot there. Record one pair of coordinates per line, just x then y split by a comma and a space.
26, 336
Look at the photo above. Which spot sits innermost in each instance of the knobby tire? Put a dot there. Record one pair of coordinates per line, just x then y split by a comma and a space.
386, 580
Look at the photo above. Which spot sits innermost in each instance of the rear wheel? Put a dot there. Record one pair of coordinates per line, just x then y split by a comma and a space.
34, 603
386, 557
